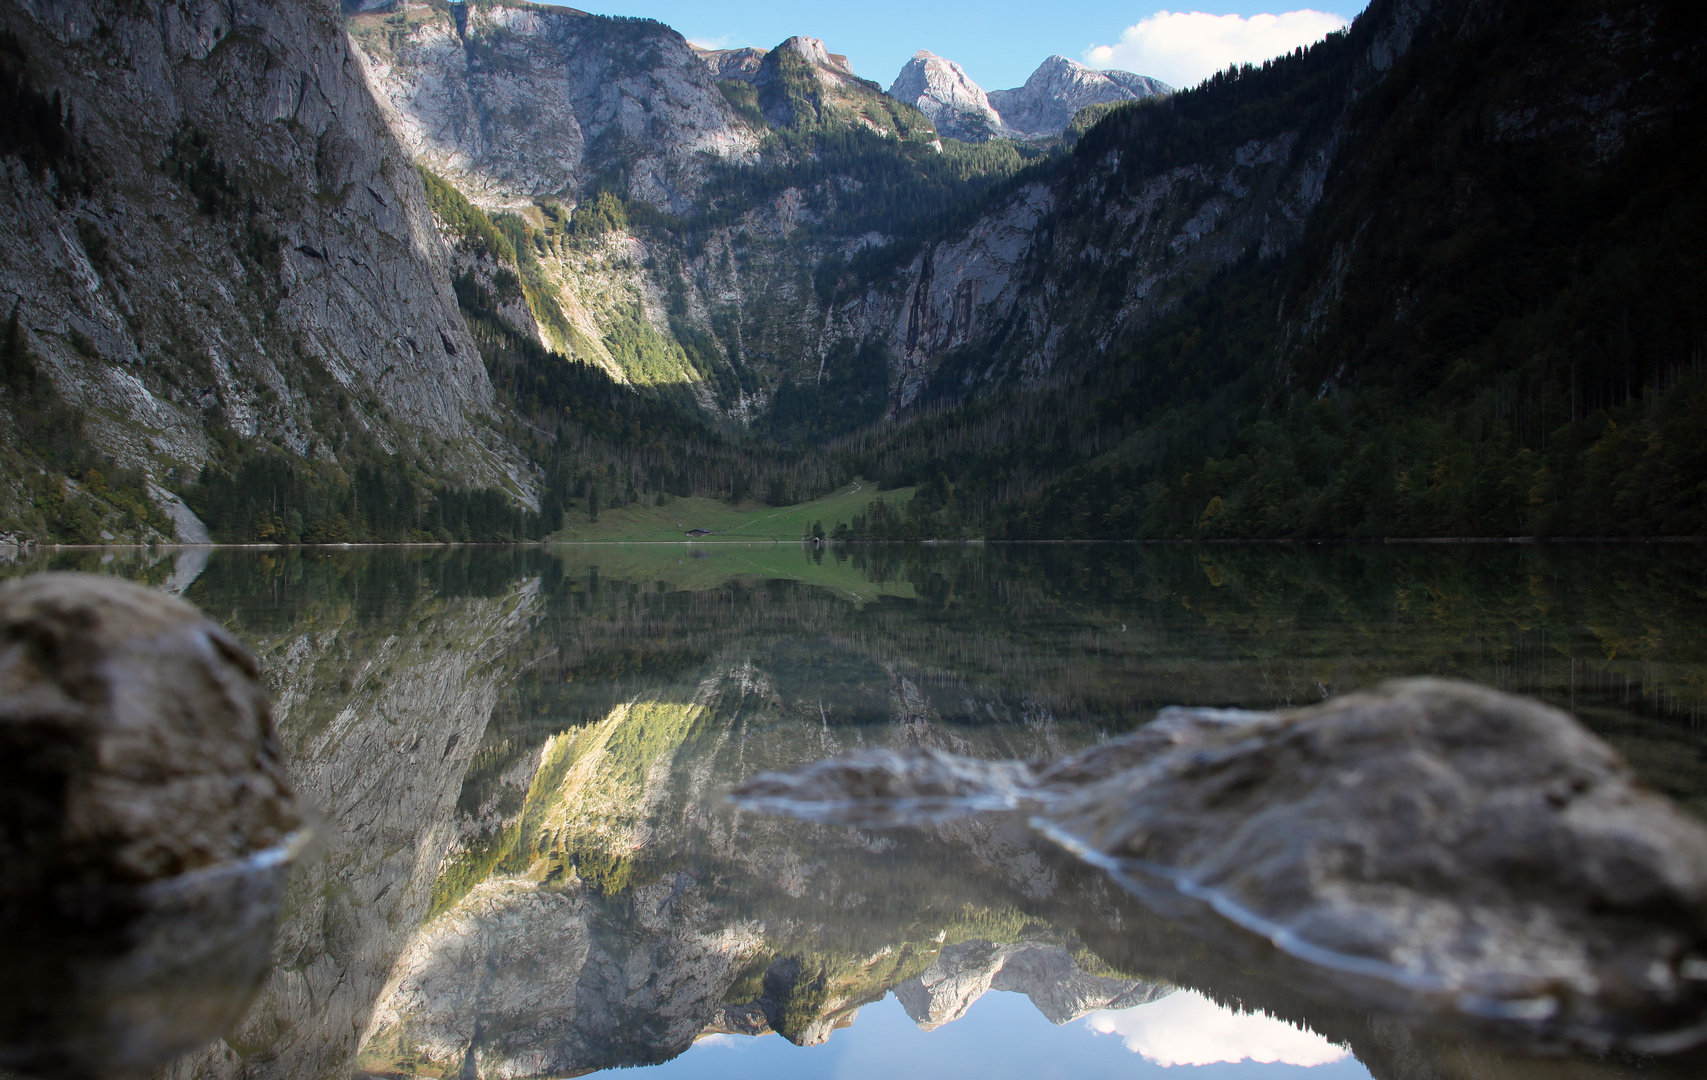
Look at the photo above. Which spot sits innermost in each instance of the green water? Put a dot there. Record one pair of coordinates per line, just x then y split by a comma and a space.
527, 868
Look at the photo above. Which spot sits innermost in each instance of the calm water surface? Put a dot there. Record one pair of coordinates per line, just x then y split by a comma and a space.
527, 868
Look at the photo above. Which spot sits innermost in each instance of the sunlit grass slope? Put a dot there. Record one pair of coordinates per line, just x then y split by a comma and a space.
725, 523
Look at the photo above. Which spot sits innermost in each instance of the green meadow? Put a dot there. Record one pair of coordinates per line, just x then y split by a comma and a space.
726, 523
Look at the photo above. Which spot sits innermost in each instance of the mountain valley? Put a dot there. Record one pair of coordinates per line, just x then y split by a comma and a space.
460, 271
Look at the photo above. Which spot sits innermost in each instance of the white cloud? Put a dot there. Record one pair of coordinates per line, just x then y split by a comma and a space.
1182, 48
1186, 1028
721, 41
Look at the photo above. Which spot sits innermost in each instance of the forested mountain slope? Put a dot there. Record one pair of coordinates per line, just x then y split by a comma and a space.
1441, 275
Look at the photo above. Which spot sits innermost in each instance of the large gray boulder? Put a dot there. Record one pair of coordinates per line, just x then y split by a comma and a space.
1432, 848
146, 826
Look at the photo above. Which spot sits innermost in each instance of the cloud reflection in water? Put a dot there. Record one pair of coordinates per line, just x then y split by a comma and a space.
1186, 1028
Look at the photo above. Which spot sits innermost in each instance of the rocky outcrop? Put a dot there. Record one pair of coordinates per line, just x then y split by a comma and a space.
801, 84
514, 101
741, 64
1060, 88
238, 241
1045, 973
942, 90
747, 64
1432, 848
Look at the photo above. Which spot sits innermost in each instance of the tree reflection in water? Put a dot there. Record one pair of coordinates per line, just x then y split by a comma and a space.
519, 754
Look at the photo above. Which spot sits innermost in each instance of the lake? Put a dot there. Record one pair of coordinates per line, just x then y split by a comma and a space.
526, 867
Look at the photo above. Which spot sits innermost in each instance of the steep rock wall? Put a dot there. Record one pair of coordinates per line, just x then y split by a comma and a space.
250, 251
512, 101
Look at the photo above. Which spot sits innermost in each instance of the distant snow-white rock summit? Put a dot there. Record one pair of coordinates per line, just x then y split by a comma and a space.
943, 91
1040, 109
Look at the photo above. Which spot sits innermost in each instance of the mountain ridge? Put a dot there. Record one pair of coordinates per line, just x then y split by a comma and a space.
1043, 108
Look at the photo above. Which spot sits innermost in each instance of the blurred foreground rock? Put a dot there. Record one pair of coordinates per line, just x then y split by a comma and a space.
1430, 848
146, 827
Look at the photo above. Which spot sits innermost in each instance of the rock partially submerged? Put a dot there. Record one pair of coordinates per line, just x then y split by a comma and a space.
146, 826
1430, 847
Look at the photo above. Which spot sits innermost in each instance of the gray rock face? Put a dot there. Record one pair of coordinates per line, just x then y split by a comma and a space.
1433, 847
516, 101
1044, 973
740, 64
310, 270
943, 91
1060, 87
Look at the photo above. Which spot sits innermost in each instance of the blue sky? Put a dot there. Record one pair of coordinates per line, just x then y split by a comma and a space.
998, 42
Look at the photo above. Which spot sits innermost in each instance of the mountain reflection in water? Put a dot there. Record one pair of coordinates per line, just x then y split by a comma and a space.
529, 870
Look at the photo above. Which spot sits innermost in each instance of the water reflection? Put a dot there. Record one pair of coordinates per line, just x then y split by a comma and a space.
1186, 1028
528, 872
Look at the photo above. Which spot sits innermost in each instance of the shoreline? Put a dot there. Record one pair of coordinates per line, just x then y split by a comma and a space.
1538, 541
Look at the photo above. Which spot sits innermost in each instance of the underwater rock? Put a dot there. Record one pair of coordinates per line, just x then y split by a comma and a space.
1432, 848
146, 826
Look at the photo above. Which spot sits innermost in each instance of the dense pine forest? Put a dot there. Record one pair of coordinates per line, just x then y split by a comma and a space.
1516, 347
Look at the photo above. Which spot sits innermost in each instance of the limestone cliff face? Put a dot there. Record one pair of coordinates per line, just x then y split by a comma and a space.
378, 728
1064, 270
251, 249
512, 101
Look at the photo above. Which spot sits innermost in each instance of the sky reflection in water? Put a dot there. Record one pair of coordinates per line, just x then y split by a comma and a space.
1002, 1035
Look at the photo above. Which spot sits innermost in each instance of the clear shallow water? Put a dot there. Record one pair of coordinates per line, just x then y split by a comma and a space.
527, 869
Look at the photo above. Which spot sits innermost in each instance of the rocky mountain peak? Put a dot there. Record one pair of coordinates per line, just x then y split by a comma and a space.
742, 64
1060, 87
1041, 109
941, 89
812, 50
